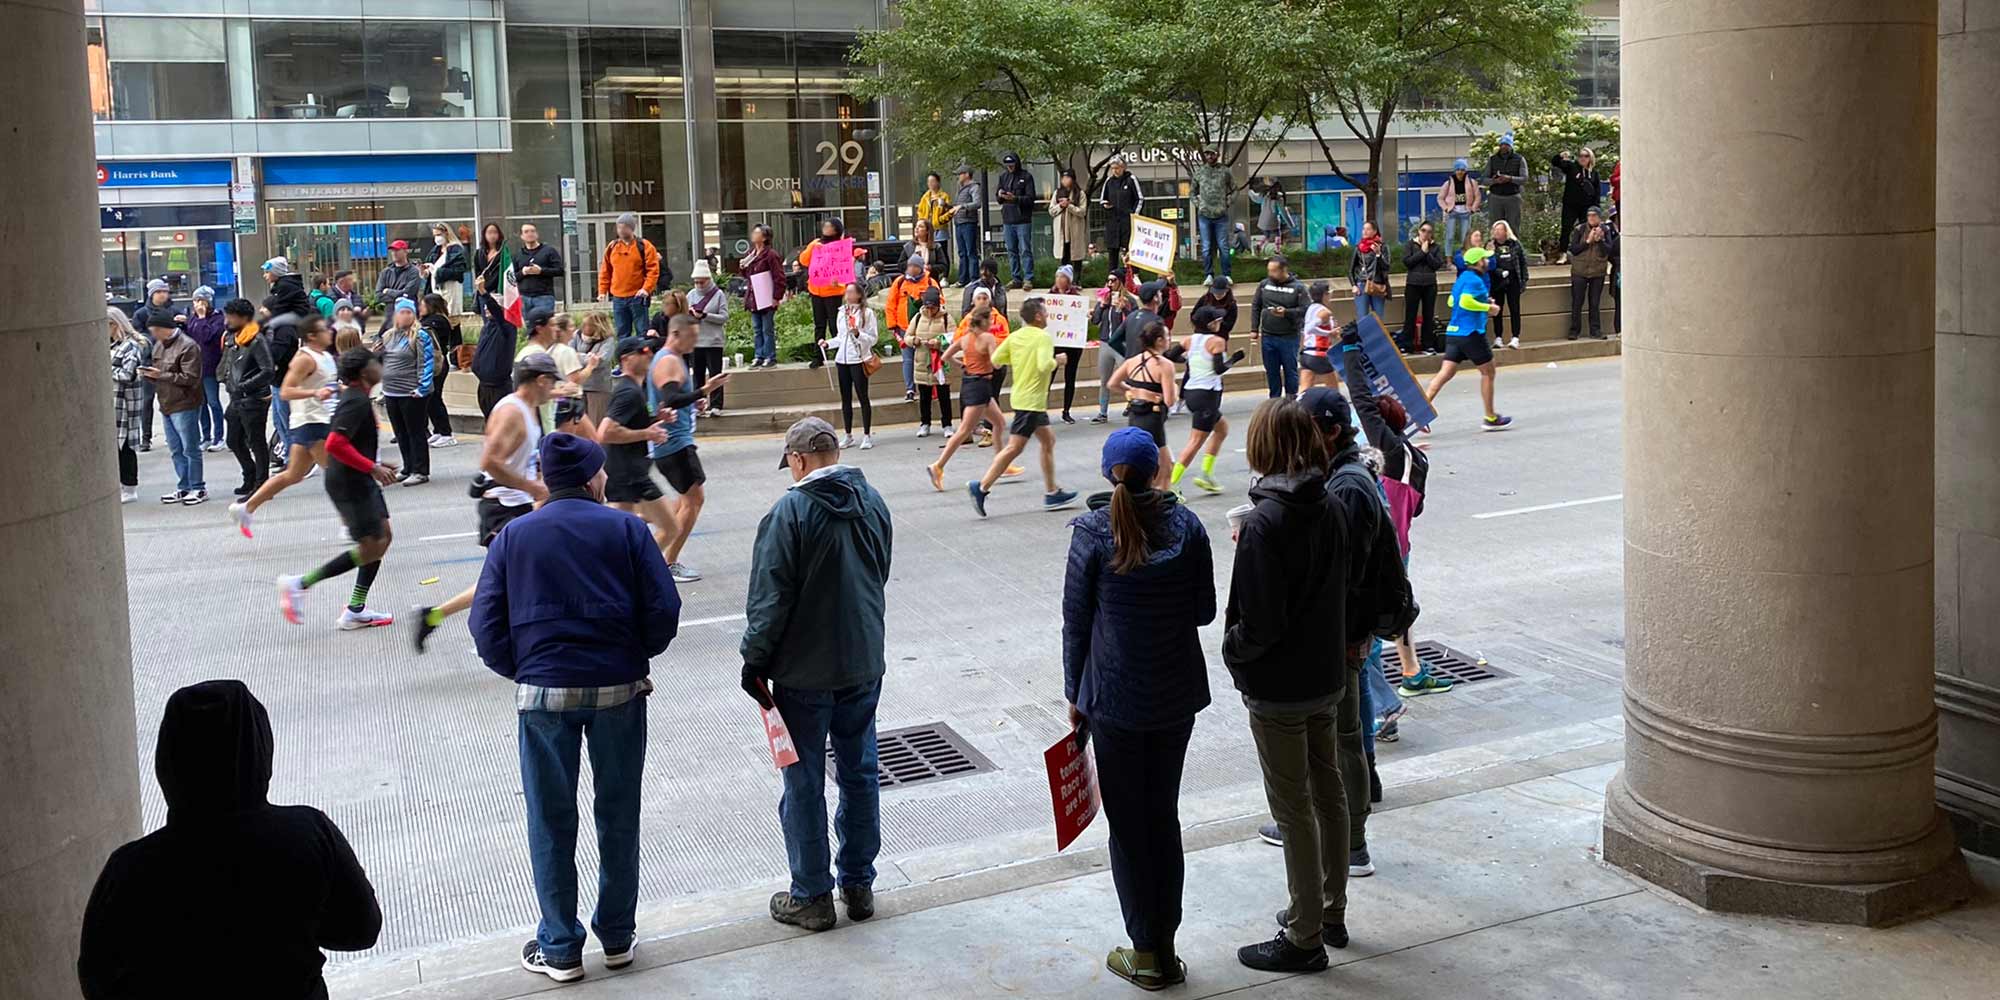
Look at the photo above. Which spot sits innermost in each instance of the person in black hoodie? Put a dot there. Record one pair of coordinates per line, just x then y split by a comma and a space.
1016, 191
1582, 188
1423, 258
438, 322
277, 883
249, 372
493, 355
1292, 569
283, 308
1120, 198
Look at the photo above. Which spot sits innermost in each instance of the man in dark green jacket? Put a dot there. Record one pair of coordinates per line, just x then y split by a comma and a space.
812, 648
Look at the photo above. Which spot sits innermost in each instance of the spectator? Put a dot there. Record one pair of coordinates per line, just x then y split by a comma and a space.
597, 348
159, 299
409, 365
1213, 186
1139, 585
826, 295
1593, 249
1072, 357
761, 298
934, 210
1120, 198
284, 308
989, 281
1581, 186
965, 208
854, 337
922, 245
1458, 198
247, 364
1510, 279
1069, 210
493, 356
175, 373
1276, 311
1116, 304
128, 355
1222, 296
279, 883
436, 317
581, 671
1271, 217
344, 289
628, 275
709, 304
487, 260
322, 296
536, 269
447, 268
904, 297
402, 279
204, 327
1016, 190
1505, 170
812, 647
1422, 260
1368, 272
1292, 567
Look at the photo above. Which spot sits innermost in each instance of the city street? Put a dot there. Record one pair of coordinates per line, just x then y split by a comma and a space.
1516, 560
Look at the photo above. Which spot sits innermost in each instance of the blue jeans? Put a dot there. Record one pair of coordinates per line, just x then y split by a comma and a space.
1020, 250
966, 235
1281, 365
211, 409
1214, 243
184, 440
846, 718
281, 422
628, 314
1456, 223
764, 334
909, 370
1369, 304
1377, 697
530, 303
549, 761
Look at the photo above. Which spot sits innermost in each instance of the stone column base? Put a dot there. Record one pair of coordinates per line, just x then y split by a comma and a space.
1654, 848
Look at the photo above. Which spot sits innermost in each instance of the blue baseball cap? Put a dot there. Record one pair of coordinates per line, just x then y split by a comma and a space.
1132, 447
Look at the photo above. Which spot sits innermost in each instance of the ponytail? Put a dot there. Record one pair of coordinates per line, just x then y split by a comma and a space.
1130, 544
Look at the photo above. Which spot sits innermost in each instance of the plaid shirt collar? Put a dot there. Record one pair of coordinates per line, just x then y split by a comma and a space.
534, 698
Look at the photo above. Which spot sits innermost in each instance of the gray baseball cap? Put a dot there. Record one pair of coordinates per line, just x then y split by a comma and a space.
808, 436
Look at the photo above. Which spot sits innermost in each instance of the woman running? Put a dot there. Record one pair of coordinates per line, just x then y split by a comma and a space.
309, 383
1147, 379
1205, 366
973, 350
1321, 332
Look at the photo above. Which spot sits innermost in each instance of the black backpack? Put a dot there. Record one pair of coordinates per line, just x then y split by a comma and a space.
1381, 603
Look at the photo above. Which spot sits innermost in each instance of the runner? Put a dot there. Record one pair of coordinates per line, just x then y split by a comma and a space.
1319, 334
1147, 380
309, 383
1031, 352
672, 391
354, 482
1205, 367
509, 484
973, 350
1465, 338
976, 297
628, 427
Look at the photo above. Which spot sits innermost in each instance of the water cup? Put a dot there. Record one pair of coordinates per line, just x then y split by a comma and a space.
1236, 516
739, 359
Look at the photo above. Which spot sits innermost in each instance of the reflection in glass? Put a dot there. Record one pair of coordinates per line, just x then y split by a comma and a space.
165, 69
371, 69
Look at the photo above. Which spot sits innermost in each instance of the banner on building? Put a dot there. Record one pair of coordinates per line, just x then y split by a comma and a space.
1068, 319
1072, 787
1389, 375
1153, 244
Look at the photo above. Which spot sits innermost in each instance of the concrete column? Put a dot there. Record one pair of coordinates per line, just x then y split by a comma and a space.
1780, 732
704, 164
66, 743
1968, 425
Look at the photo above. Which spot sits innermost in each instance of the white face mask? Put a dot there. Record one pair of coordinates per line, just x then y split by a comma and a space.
439, 240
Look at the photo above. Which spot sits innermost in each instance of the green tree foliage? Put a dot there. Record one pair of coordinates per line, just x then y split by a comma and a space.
1365, 62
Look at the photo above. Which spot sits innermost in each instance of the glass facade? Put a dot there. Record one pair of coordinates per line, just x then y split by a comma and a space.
159, 69
1595, 72
367, 69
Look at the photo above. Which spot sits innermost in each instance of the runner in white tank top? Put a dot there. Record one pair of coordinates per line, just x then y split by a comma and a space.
525, 461
1203, 397
309, 375
312, 410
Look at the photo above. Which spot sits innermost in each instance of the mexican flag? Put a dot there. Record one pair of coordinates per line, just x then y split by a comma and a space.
510, 296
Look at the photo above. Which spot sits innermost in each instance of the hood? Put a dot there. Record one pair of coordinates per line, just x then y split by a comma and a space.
1303, 490
214, 753
839, 491
288, 295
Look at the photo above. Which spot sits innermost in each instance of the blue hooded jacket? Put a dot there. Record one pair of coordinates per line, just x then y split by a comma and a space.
1131, 651
574, 595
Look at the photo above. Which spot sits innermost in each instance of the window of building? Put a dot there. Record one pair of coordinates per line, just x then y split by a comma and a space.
795, 164
569, 74
369, 69
779, 74
1595, 73
163, 69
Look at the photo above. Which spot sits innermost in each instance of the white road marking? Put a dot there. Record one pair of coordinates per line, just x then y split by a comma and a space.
719, 619
1548, 506
455, 534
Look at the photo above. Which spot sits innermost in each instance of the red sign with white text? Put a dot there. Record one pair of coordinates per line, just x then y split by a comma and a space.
1072, 788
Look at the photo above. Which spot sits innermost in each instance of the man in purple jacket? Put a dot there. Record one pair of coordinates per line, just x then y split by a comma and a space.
573, 604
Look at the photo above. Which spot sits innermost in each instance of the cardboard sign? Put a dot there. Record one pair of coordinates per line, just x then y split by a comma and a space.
1068, 319
1153, 244
1072, 788
832, 263
1389, 375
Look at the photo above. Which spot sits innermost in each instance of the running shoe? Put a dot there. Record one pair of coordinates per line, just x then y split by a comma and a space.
352, 620
128, 494
936, 476
867, 441
1100, 418
1270, 834
1359, 865
621, 959
1424, 682
909, 395
533, 960
421, 614
847, 441
1386, 731
1333, 930
1059, 500
1013, 472
1394, 712
291, 598
445, 441
1280, 955
311, 471
1497, 422
1207, 485
1067, 418
194, 497
416, 479
978, 496
175, 497
923, 430
1514, 344
682, 573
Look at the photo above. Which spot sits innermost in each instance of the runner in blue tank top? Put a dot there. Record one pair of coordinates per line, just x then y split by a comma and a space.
671, 386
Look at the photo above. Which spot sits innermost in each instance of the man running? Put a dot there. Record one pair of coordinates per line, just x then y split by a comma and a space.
509, 471
354, 482
1031, 352
672, 389
974, 351
1203, 394
309, 383
625, 432
1465, 338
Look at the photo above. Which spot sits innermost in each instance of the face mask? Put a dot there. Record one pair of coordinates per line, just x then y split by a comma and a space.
439, 240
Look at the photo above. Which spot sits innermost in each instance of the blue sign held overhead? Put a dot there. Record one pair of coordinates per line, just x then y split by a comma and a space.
162, 173
1389, 375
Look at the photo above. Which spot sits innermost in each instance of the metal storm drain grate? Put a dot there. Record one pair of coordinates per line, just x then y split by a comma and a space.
1444, 661
925, 753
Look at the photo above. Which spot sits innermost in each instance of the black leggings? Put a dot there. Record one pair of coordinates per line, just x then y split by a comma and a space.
128, 466
1072, 356
1509, 300
1418, 300
243, 424
826, 309
924, 403
707, 361
854, 382
434, 407
407, 420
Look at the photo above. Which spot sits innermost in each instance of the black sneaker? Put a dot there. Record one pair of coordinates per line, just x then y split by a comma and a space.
1359, 864
1271, 835
1333, 932
533, 960
1015, 284
1067, 418
422, 616
1280, 955
815, 914
859, 901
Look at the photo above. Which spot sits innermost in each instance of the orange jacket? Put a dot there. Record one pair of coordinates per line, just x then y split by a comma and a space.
629, 269
805, 261
903, 296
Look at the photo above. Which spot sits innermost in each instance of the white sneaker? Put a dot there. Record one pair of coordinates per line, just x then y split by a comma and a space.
175, 497
683, 573
415, 479
924, 430
1515, 343
128, 494
351, 620
239, 512
291, 598
867, 442
847, 441
621, 959
311, 471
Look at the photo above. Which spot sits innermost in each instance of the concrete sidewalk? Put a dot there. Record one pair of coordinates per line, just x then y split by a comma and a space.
1489, 886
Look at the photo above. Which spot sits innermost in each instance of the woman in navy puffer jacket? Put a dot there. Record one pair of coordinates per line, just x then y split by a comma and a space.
1140, 582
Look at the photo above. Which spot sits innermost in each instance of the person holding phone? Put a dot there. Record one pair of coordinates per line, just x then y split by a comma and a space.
1139, 585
